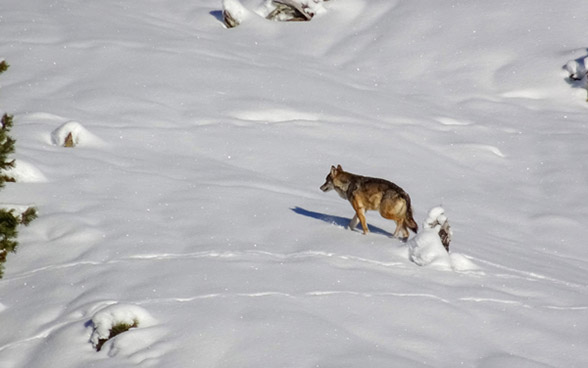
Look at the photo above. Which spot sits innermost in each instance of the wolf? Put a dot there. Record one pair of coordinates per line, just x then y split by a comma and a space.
365, 193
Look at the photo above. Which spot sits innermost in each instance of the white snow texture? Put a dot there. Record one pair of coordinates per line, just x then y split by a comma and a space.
191, 200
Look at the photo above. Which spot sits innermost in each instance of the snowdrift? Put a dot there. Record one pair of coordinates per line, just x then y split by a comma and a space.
193, 194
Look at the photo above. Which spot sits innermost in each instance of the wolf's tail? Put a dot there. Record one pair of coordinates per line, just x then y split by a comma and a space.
410, 222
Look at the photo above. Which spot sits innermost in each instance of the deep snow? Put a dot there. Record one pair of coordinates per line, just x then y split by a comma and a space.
193, 195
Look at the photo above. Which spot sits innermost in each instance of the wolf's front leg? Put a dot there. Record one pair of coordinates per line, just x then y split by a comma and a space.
361, 215
353, 223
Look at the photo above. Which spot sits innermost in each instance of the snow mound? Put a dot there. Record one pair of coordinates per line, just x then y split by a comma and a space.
306, 8
79, 134
576, 68
104, 320
428, 247
461, 263
577, 72
25, 172
235, 12
436, 220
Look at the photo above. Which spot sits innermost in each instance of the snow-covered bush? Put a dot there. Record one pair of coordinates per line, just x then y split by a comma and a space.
577, 71
426, 249
72, 134
115, 320
437, 221
234, 12
431, 244
430, 247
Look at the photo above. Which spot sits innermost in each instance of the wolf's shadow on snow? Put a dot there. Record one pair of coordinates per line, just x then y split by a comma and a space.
337, 220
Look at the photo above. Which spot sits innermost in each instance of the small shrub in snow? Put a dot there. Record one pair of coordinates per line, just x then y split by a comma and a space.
115, 320
73, 134
431, 244
116, 330
67, 135
9, 220
430, 247
291, 10
69, 141
576, 69
234, 13
578, 72
437, 221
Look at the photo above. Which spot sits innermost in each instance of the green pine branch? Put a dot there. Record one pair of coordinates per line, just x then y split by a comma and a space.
9, 220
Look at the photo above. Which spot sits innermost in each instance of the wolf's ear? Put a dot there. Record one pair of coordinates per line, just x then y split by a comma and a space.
333, 170
339, 168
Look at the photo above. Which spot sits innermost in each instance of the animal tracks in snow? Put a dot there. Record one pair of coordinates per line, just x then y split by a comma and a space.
477, 149
276, 115
268, 261
255, 255
529, 276
359, 294
474, 149
308, 294
473, 294
344, 261
252, 256
452, 122
529, 94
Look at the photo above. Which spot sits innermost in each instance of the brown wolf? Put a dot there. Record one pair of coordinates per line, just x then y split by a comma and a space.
366, 193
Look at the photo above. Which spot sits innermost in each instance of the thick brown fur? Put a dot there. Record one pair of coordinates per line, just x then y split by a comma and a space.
365, 193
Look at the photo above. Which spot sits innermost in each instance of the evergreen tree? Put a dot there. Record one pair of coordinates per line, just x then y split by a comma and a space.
6, 148
9, 221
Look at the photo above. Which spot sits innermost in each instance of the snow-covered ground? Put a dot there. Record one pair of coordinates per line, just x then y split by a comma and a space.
192, 204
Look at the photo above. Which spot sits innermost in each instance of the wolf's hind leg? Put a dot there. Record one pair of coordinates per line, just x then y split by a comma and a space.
401, 228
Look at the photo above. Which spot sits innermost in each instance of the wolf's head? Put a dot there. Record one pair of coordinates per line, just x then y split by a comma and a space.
331, 179
328, 185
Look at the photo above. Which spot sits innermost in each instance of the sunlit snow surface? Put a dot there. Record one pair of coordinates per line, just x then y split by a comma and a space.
193, 195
